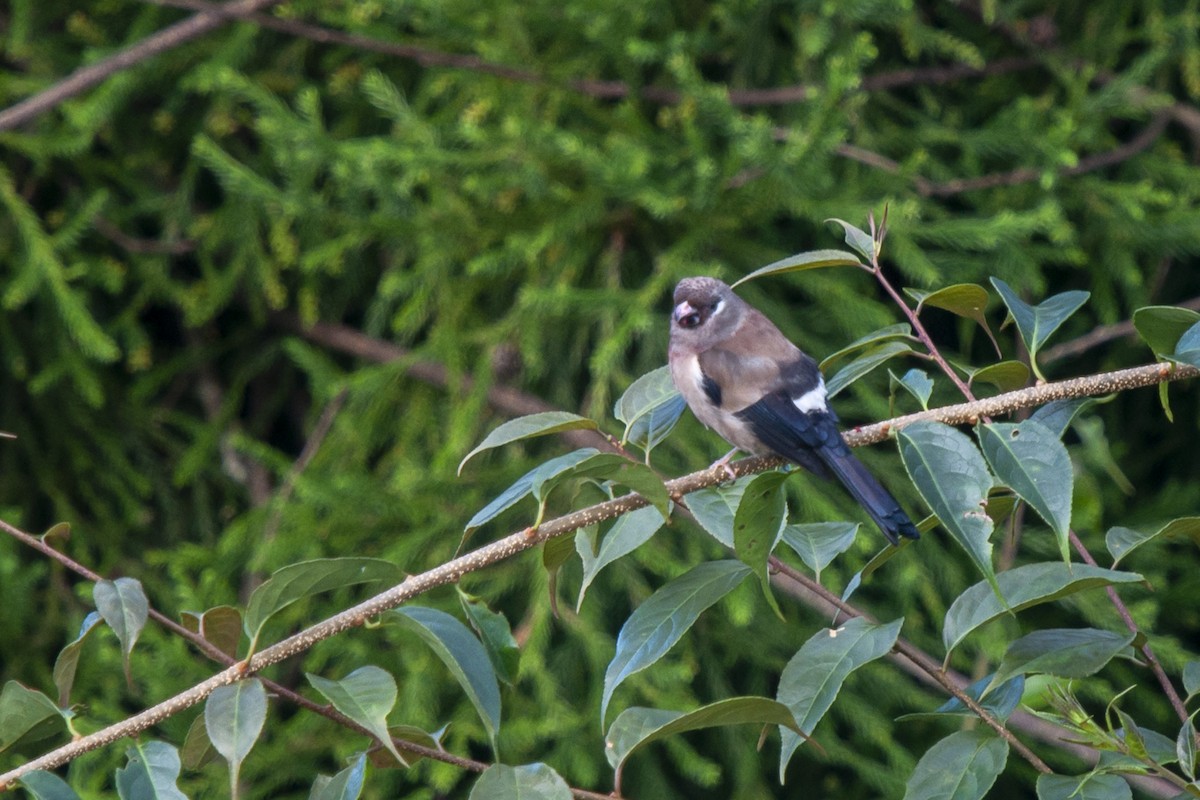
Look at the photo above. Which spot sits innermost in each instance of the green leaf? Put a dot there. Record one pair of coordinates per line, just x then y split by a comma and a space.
125, 608
714, 508
953, 479
628, 533
528, 782
999, 702
151, 772
496, 635
1122, 541
636, 727
27, 715
197, 750
366, 696
814, 259
463, 655
68, 660
1187, 350
757, 526
967, 300
47, 786
1058, 414
1191, 678
1162, 326
814, 676
963, 766
523, 485
1033, 462
615, 468
1065, 652
650, 407
1185, 749
1006, 376
917, 383
221, 626
234, 717
818, 543
1092, 786
1038, 323
1022, 587
306, 578
543, 424
662, 620
346, 785
899, 331
857, 238
864, 364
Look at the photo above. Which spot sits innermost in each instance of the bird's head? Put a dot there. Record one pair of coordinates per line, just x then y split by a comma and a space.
706, 311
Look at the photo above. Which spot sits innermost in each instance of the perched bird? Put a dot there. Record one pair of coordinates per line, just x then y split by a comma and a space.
745, 380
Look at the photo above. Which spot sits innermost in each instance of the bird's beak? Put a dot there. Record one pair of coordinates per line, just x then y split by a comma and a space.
682, 310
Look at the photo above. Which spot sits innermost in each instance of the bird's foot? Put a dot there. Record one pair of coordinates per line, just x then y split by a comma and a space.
723, 463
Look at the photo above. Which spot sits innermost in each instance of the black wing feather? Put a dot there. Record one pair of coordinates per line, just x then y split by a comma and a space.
812, 440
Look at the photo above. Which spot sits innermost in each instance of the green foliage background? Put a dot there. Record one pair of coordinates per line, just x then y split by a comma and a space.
164, 237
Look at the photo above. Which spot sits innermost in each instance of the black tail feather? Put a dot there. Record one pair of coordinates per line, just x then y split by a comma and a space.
870, 494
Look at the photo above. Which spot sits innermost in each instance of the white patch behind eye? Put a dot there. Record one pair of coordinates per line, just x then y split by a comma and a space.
717, 308
813, 399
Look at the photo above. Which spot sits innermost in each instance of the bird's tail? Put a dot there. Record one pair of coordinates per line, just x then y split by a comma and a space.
869, 493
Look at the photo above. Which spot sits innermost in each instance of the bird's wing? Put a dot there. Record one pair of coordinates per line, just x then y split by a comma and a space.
753, 362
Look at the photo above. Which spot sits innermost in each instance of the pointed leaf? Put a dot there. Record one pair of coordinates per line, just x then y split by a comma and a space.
1058, 414
47, 786
999, 702
1006, 376
1065, 652
346, 785
1092, 786
814, 259
298, 581
366, 696
496, 635
636, 727
813, 677
917, 383
543, 424
899, 331
151, 772
714, 508
27, 715
68, 660
1162, 326
857, 238
1038, 323
1185, 749
953, 479
1191, 678
864, 364
1187, 350
523, 485
528, 782
650, 407
818, 543
463, 655
1022, 587
628, 533
125, 608
1033, 462
963, 766
197, 751
1122, 541
757, 526
234, 717
967, 300
662, 620
615, 468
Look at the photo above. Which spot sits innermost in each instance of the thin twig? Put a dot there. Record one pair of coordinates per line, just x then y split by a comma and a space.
85, 78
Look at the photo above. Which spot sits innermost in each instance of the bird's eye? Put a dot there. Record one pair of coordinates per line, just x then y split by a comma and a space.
690, 320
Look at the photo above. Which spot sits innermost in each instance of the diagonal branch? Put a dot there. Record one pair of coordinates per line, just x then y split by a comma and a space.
85, 78
520, 541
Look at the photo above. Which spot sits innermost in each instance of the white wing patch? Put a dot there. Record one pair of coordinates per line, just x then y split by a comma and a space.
813, 399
